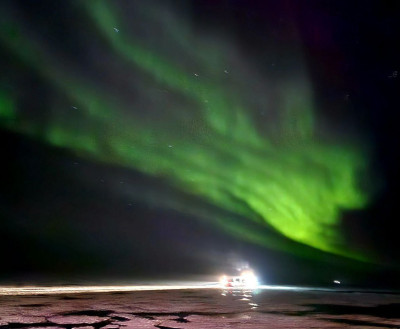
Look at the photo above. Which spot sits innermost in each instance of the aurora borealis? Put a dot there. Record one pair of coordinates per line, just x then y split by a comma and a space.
261, 124
186, 108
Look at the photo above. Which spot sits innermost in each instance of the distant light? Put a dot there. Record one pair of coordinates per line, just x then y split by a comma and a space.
250, 280
247, 279
116, 30
336, 281
223, 280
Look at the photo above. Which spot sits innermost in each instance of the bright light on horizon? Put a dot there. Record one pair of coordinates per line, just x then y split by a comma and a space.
38, 290
247, 280
41, 290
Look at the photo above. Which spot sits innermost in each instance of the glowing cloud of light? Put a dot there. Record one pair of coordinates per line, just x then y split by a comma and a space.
194, 122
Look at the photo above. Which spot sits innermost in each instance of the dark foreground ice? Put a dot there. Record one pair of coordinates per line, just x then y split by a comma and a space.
202, 308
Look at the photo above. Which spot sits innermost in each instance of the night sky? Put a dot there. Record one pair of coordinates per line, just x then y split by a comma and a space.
164, 139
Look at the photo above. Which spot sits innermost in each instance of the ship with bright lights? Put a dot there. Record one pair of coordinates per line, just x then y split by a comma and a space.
246, 280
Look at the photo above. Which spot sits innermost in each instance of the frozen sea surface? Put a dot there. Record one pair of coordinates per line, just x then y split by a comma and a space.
202, 308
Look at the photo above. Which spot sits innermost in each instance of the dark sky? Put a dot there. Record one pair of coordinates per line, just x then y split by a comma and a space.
68, 213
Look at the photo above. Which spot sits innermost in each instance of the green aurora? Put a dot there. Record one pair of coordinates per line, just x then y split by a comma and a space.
197, 128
